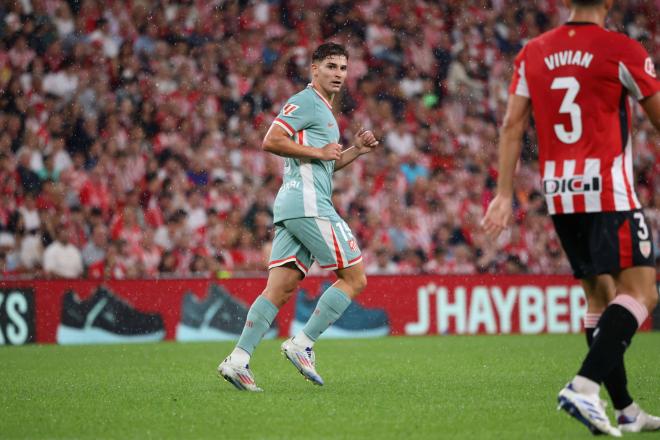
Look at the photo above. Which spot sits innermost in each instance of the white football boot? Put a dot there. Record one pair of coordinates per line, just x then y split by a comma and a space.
641, 422
303, 358
587, 409
238, 375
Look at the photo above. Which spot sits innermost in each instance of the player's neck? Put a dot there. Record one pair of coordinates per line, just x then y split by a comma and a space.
587, 15
323, 93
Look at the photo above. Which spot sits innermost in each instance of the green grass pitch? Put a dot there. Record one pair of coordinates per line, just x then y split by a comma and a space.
457, 387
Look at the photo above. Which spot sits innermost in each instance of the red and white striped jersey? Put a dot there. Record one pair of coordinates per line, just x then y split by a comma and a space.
579, 78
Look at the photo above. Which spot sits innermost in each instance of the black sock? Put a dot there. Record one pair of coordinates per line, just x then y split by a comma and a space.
616, 382
615, 330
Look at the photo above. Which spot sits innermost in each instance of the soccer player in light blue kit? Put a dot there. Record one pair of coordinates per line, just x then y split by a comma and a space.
307, 227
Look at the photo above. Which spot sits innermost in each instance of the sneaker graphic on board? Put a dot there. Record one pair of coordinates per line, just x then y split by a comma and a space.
587, 409
643, 422
106, 318
218, 317
356, 322
303, 358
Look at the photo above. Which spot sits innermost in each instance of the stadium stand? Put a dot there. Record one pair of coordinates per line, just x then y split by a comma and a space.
136, 126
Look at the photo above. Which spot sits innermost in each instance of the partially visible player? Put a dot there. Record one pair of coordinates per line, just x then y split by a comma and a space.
577, 80
307, 227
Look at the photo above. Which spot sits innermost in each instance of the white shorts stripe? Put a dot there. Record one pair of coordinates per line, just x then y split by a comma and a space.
549, 173
567, 198
592, 198
326, 232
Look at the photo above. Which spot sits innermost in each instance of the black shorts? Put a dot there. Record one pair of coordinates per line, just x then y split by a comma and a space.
605, 242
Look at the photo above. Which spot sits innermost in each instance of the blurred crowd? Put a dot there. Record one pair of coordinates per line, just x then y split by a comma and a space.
130, 132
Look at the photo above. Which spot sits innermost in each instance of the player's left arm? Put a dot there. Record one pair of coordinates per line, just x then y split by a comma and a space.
637, 74
510, 146
651, 106
365, 142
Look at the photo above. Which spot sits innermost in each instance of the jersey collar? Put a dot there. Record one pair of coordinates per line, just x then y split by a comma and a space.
320, 96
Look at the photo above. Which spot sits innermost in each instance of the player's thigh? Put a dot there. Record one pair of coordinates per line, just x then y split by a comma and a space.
329, 239
288, 250
573, 233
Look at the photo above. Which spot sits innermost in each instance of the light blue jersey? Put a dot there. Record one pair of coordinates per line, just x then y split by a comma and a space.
306, 189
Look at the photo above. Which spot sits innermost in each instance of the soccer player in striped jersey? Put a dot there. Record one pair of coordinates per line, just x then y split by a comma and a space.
307, 227
578, 80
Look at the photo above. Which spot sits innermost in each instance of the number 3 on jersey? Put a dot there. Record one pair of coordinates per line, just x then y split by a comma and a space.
568, 105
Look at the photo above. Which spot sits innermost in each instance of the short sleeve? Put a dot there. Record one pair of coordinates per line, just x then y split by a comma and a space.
518, 84
296, 115
637, 71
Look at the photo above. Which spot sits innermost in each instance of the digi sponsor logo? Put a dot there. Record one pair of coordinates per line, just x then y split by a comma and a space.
16, 316
649, 67
576, 184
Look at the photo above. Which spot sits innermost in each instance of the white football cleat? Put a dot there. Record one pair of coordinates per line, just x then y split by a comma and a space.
587, 409
642, 422
303, 358
238, 375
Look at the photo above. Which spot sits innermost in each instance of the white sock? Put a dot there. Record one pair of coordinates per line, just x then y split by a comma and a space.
240, 356
302, 339
585, 386
631, 410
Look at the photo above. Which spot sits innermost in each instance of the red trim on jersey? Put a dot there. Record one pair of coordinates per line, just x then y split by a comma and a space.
340, 261
283, 122
354, 260
301, 137
323, 98
625, 245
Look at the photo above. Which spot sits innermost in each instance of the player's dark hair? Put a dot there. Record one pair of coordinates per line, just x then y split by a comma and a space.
327, 50
583, 3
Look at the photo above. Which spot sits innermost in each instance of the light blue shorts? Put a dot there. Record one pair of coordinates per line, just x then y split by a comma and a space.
327, 240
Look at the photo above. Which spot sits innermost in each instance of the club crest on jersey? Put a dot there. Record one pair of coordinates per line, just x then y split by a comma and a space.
289, 109
575, 184
353, 245
645, 248
649, 67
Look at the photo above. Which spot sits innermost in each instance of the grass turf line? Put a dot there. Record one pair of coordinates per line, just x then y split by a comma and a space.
484, 387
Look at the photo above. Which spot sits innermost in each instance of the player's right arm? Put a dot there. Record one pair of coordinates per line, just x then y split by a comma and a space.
500, 209
278, 141
286, 136
515, 122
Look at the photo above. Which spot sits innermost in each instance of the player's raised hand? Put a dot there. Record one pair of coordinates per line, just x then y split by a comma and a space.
365, 141
497, 215
330, 151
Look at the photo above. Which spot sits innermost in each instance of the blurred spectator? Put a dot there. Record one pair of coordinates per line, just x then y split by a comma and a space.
61, 258
146, 129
